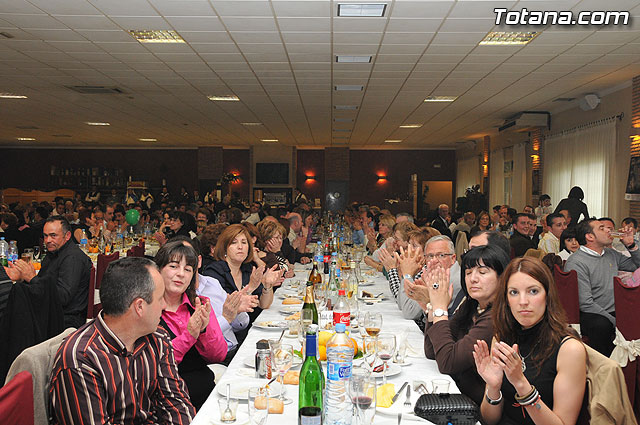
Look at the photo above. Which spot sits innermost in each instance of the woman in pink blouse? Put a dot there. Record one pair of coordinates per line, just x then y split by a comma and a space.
196, 335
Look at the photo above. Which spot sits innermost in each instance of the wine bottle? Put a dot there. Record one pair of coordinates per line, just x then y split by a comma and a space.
311, 384
310, 304
315, 277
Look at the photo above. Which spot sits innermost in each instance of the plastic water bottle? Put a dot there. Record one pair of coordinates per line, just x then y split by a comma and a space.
341, 311
340, 349
13, 251
4, 252
119, 239
319, 255
83, 241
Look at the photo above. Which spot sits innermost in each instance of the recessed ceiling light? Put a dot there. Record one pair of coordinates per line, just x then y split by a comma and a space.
25, 139
251, 124
148, 140
224, 98
348, 87
97, 123
393, 141
156, 36
372, 9
12, 96
343, 119
441, 98
346, 107
353, 59
498, 38
411, 126
268, 140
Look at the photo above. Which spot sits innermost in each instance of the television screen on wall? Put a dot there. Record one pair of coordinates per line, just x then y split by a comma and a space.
272, 173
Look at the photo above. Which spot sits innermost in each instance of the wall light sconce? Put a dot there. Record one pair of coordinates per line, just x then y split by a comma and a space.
382, 178
309, 178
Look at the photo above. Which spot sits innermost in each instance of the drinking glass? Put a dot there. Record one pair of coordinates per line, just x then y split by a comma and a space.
258, 399
36, 252
385, 347
27, 255
362, 391
439, 386
282, 359
369, 351
320, 297
373, 323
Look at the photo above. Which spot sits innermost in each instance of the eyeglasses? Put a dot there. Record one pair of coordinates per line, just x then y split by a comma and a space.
438, 256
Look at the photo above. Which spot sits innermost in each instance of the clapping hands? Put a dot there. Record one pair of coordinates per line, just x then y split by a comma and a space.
199, 320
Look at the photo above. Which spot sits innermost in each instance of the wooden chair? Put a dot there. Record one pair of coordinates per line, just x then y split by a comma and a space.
92, 311
627, 306
567, 284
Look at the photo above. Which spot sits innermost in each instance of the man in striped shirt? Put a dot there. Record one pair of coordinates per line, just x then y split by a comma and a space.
120, 367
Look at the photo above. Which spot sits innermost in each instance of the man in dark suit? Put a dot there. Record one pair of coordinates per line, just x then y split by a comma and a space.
440, 223
520, 240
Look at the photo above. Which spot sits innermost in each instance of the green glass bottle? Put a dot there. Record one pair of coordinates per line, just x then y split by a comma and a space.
309, 304
311, 384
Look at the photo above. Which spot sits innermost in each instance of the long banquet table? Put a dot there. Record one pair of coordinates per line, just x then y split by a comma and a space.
420, 368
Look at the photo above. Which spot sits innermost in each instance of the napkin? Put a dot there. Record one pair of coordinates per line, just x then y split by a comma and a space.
384, 394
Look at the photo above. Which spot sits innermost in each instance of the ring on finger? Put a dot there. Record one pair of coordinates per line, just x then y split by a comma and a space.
436, 285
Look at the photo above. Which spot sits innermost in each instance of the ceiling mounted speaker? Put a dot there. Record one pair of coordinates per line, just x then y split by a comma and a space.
589, 102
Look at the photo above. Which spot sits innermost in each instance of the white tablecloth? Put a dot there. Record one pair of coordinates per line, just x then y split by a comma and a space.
421, 368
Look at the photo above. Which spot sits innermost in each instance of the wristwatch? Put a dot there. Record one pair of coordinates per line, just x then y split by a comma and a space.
438, 312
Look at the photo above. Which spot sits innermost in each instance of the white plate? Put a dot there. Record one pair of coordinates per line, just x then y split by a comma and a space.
289, 309
271, 325
365, 283
242, 418
240, 389
393, 370
251, 362
407, 362
398, 406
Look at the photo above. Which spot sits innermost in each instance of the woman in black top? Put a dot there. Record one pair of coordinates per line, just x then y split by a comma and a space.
234, 267
272, 235
573, 203
545, 368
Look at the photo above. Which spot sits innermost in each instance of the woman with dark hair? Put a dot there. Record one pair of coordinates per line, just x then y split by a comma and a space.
234, 267
545, 371
191, 322
270, 244
208, 241
483, 222
573, 203
451, 342
568, 243
173, 225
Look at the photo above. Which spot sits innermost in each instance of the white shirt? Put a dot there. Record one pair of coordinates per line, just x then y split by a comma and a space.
211, 288
549, 243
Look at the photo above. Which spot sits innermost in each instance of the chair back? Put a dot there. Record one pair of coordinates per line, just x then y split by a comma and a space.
135, 251
93, 296
103, 262
627, 305
16, 401
567, 284
536, 253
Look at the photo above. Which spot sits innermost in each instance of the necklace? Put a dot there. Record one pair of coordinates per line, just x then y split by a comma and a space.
523, 358
480, 310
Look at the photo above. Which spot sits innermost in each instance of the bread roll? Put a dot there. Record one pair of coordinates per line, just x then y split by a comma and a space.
291, 378
275, 405
289, 301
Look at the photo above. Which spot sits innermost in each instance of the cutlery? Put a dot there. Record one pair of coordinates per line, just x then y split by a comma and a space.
407, 402
399, 418
395, 397
227, 415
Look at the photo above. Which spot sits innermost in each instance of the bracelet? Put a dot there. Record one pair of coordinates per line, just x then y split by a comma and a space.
530, 398
491, 401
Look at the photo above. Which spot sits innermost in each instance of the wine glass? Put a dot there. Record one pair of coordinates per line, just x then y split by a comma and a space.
369, 351
36, 252
386, 345
282, 359
373, 323
362, 391
258, 399
320, 297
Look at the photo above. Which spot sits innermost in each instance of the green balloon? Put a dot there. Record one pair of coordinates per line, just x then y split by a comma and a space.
132, 216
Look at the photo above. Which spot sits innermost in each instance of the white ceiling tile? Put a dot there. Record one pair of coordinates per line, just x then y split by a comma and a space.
358, 24
357, 38
141, 22
565, 37
74, 46
88, 22
214, 47
18, 6
418, 38
302, 8
611, 37
94, 57
194, 37
468, 25
255, 37
195, 23
584, 48
478, 9
355, 49
421, 9
125, 8
310, 38
308, 48
183, 8
266, 57
397, 58
56, 35
243, 8
222, 57
413, 25
401, 49
121, 47
39, 21
436, 49
262, 48
458, 37
309, 57
304, 24
249, 24
106, 36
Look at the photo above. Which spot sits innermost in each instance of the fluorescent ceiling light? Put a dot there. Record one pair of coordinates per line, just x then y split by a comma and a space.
346, 107
12, 96
97, 123
343, 119
25, 139
251, 124
441, 98
393, 141
371, 9
498, 38
156, 36
224, 98
340, 137
411, 126
268, 140
148, 140
348, 87
344, 130
353, 59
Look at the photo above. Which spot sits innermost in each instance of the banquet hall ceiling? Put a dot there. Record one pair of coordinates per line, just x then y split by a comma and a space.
279, 59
